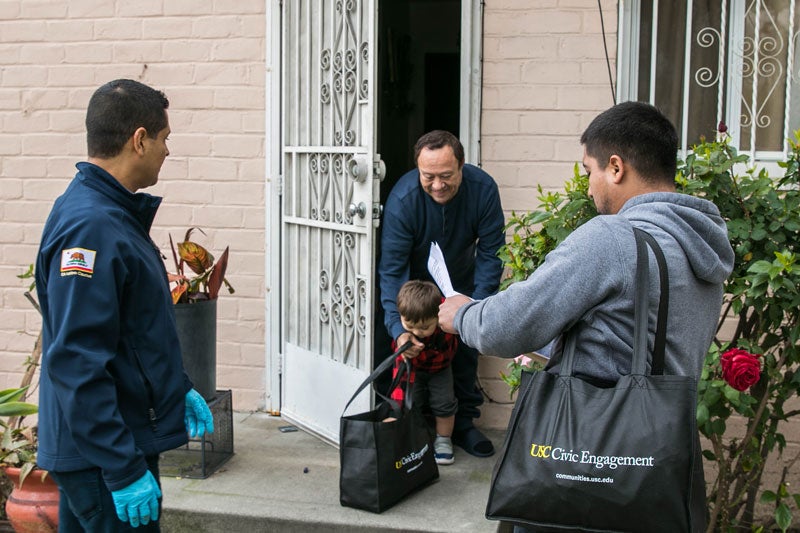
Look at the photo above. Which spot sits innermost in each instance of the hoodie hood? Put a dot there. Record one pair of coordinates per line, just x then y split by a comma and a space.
696, 226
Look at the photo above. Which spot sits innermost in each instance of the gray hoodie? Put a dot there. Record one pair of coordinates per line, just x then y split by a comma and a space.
587, 283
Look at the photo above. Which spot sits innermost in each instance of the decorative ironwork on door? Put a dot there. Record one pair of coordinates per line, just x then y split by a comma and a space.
323, 134
328, 194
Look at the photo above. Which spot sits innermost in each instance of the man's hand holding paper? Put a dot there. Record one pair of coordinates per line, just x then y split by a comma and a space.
453, 300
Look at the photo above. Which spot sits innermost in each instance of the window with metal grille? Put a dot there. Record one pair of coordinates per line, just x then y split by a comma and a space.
703, 62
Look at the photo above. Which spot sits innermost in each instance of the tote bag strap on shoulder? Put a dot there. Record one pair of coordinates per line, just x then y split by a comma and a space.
641, 299
659, 347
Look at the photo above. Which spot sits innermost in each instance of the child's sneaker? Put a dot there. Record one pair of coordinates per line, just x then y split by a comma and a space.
443, 450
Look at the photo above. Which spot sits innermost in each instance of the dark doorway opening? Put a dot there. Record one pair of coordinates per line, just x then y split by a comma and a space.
419, 50
441, 109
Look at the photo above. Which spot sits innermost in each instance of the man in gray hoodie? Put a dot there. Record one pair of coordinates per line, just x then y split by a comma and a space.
587, 283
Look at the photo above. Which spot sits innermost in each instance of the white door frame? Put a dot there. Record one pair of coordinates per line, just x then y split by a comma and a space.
470, 115
471, 79
272, 151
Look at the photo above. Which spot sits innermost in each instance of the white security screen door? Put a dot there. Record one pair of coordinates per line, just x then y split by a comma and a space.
329, 208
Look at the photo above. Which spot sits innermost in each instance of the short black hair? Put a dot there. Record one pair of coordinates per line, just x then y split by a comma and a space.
640, 134
433, 140
116, 110
418, 301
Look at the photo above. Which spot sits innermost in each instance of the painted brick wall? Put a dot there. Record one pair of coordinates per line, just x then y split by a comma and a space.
208, 56
545, 78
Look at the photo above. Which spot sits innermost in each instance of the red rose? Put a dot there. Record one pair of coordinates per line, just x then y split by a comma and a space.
740, 369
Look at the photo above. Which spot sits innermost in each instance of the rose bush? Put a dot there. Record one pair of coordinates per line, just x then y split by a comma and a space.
740, 369
521, 363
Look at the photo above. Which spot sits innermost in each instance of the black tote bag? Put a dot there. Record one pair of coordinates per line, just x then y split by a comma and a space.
382, 462
578, 457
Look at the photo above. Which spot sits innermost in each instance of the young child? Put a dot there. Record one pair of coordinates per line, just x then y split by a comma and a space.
430, 373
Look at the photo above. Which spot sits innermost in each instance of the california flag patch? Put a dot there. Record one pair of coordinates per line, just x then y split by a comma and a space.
77, 261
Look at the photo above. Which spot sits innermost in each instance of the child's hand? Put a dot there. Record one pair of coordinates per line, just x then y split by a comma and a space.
413, 350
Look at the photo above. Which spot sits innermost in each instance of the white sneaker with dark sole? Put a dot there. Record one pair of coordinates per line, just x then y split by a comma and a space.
443, 450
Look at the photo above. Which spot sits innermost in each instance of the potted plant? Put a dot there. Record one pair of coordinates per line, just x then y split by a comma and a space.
32, 503
751, 374
197, 281
17, 444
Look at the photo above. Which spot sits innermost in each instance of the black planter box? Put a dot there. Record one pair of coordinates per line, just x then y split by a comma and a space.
202, 457
196, 324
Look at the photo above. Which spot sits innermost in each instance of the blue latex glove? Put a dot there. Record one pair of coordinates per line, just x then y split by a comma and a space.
138, 502
198, 417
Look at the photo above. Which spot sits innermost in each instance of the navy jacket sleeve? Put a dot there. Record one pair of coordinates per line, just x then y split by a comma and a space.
397, 242
84, 336
491, 236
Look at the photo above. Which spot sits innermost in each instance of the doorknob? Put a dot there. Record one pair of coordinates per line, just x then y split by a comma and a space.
360, 210
358, 167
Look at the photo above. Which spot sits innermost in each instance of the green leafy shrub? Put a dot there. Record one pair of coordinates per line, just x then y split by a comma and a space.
762, 304
537, 232
518, 365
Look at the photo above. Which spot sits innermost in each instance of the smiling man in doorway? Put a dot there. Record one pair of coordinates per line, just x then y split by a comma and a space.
458, 206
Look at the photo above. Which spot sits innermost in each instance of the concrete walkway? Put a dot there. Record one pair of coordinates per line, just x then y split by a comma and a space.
289, 482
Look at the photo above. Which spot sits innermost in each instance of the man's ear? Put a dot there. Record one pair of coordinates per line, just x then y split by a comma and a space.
138, 140
616, 168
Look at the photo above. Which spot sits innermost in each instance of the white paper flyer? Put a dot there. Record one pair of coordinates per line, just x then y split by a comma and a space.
438, 269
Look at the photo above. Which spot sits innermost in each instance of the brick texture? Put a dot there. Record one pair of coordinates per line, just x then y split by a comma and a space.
544, 79
209, 59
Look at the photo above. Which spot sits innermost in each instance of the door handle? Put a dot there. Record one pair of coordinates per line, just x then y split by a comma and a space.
359, 167
360, 210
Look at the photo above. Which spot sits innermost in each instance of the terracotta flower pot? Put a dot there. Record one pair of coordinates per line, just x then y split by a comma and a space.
32, 508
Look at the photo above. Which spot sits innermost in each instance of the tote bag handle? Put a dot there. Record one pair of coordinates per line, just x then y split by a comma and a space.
643, 281
641, 298
380, 369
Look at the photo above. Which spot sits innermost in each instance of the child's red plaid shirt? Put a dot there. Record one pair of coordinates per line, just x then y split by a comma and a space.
438, 353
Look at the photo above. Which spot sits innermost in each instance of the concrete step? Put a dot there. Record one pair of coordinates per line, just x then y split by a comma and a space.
289, 482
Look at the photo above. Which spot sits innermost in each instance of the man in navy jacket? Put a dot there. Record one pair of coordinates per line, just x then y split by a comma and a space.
457, 206
113, 392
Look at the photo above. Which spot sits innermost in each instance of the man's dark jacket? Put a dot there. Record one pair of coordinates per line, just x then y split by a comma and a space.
112, 387
468, 228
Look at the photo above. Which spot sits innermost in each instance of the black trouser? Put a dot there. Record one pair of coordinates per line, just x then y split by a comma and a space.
465, 372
